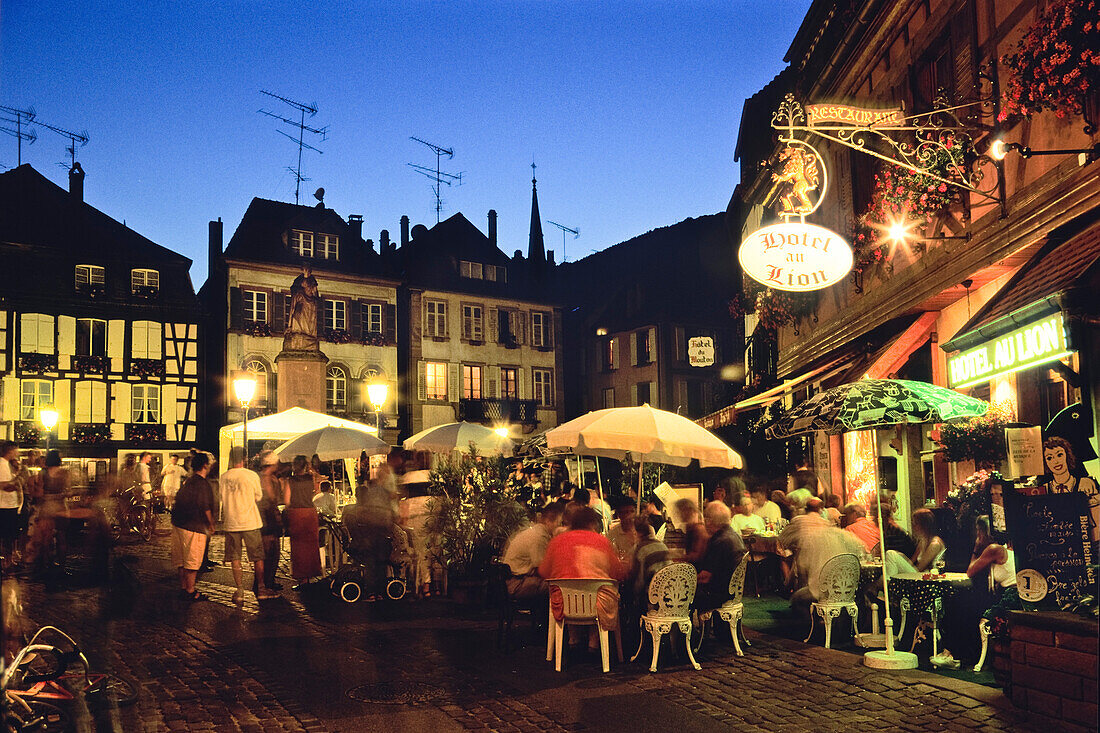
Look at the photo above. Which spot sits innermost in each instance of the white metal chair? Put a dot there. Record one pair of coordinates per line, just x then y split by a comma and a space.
836, 592
732, 610
984, 629
579, 609
672, 590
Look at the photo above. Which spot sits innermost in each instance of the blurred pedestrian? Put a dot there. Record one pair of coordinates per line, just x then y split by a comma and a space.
271, 532
192, 525
301, 516
170, 480
11, 501
240, 496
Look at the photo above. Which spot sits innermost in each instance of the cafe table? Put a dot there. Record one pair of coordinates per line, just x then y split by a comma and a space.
925, 592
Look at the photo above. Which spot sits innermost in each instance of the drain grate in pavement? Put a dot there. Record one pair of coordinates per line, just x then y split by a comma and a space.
397, 692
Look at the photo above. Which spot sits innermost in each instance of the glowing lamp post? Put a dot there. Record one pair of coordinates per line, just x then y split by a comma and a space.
502, 431
245, 389
377, 393
48, 418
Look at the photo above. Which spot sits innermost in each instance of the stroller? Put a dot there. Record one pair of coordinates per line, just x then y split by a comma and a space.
350, 578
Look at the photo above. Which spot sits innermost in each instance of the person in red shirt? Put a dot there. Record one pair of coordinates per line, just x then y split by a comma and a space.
582, 552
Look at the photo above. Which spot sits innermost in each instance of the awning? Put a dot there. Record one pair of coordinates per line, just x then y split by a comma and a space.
728, 415
894, 356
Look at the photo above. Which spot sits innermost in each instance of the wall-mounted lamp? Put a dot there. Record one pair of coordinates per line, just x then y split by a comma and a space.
999, 149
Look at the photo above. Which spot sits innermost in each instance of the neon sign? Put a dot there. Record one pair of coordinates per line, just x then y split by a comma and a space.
1036, 343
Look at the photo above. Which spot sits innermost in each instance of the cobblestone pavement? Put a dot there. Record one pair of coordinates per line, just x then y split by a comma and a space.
308, 662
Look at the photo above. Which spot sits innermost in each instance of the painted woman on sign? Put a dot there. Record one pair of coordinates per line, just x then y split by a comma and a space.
1060, 463
301, 329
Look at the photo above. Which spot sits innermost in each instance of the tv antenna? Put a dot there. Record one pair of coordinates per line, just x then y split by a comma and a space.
20, 118
575, 232
74, 138
437, 176
303, 128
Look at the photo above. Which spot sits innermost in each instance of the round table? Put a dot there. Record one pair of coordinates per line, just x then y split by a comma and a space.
925, 592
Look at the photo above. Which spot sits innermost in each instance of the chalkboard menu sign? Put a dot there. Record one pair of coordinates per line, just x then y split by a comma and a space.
1050, 538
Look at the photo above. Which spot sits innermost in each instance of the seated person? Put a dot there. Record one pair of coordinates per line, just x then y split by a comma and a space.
581, 552
650, 555
526, 549
779, 498
695, 533
816, 548
801, 525
853, 518
896, 537
325, 500
721, 557
763, 507
622, 533
929, 547
744, 518
832, 509
578, 498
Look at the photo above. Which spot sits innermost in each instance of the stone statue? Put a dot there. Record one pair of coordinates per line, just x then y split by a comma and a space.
301, 328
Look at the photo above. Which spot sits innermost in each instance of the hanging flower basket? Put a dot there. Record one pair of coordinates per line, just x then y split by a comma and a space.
979, 439
1056, 65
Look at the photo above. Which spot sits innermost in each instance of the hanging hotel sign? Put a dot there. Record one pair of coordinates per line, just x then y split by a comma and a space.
1036, 343
701, 351
796, 256
824, 114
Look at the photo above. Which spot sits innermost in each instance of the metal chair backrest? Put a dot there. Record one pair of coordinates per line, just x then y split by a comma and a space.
737, 580
578, 596
673, 589
838, 580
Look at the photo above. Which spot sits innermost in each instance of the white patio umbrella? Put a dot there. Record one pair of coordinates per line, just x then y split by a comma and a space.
333, 443
648, 434
460, 436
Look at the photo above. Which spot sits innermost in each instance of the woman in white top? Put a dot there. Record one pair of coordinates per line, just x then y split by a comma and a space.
989, 555
929, 547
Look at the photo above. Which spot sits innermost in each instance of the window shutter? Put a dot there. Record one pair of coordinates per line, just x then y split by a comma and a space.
389, 322
356, 398
116, 339
82, 402
168, 406
520, 394
652, 345
633, 348
355, 318
66, 335
494, 335
121, 410
653, 399
236, 308
453, 382
278, 310
548, 327
421, 381
520, 327
614, 349
156, 340
633, 394
11, 403
61, 399
492, 380
962, 40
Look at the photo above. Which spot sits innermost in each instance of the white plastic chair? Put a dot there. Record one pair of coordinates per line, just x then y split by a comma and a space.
836, 592
578, 597
672, 590
732, 611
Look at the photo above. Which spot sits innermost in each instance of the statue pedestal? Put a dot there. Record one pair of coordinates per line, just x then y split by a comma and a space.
301, 380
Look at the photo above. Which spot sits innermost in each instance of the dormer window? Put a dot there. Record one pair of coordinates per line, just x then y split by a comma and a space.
90, 276
478, 271
301, 243
328, 246
144, 282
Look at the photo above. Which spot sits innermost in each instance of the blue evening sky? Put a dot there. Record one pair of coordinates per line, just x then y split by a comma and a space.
630, 109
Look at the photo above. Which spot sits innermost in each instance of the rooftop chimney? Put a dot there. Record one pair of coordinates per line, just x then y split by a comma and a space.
76, 182
215, 247
493, 227
384, 241
550, 257
404, 230
355, 223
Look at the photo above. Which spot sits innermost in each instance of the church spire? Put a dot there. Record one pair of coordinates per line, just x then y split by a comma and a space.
536, 247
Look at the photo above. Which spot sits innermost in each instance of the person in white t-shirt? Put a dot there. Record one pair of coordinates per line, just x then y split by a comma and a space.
11, 499
170, 479
240, 494
763, 508
145, 477
744, 518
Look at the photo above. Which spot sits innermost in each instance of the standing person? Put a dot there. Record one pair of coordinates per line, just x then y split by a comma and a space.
192, 525
170, 480
128, 475
305, 561
53, 486
415, 513
11, 501
271, 532
145, 476
240, 494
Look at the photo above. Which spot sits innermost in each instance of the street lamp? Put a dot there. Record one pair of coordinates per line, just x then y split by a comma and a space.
998, 149
245, 388
48, 418
377, 393
502, 431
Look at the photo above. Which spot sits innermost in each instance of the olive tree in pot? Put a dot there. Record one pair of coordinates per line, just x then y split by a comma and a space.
473, 517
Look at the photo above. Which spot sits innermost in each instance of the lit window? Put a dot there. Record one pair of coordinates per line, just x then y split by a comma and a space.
258, 371
336, 388
90, 275
471, 382
336, 315
543, 381
435, 380
435, 318
142, 278
372, 317
328, 246
301, 243
540, 329
472, 329
255, 306
146, 340
145, 399
37, 395
36, 333
91, 337
90, 404
509, 383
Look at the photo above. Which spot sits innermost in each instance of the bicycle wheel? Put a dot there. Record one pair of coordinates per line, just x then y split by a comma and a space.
113, 690
50, 718
145, 522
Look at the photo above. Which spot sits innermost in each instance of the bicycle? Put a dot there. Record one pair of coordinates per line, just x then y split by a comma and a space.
29, 714
134, 514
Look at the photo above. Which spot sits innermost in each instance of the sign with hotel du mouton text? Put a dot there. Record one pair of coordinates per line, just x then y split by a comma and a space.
796, 256
1036, 343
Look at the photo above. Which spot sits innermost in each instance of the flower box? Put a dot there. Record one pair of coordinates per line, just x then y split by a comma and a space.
336, 335
257, 328
90, 364
145, 433
37, 363
147, 367
146, 292
91, 291
374, 339
27, 432
90, 433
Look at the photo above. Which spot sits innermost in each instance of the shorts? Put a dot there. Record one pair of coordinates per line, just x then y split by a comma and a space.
251, 541
9, 524
187, 548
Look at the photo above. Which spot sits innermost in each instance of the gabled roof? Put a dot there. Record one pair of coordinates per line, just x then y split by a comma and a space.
455, 237
262, 236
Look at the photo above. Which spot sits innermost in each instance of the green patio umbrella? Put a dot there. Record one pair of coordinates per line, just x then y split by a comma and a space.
867, 405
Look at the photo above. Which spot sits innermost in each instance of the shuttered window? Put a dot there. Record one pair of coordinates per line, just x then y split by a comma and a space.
35, 395
435, 380
145, 403
542, 381
36, 333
